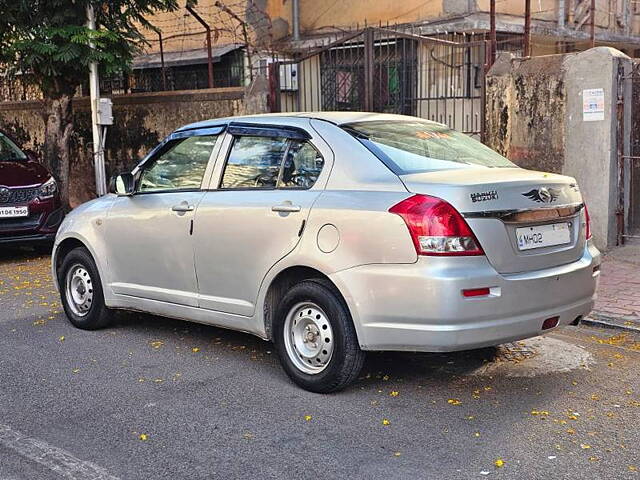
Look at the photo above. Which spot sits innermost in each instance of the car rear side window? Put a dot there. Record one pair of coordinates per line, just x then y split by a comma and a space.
271, 162
179, 166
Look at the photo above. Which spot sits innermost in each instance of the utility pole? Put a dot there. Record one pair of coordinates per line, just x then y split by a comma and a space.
527, 28
592, 15
492, 33
94, 91
209, 57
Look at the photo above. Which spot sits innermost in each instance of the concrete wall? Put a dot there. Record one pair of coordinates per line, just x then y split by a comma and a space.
534, 116
140, 122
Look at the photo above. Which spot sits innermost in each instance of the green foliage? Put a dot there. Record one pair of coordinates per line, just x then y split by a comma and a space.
49, 39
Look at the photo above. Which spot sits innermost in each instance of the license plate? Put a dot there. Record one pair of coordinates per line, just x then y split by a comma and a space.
13, 212
543, 236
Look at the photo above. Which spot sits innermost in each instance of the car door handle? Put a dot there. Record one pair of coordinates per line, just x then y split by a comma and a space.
182, 208
287, 208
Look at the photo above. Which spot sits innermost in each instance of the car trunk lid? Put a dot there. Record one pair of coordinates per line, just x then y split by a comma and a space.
524, 220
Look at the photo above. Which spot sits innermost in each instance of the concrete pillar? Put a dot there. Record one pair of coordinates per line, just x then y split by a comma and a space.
535, 117
591, 147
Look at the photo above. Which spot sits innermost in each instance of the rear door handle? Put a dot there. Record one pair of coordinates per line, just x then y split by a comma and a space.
182, 208
286, 208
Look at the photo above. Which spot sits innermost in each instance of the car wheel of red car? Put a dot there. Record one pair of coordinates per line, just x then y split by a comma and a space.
81, 289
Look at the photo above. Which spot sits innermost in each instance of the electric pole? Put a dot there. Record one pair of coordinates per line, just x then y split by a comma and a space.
94, 91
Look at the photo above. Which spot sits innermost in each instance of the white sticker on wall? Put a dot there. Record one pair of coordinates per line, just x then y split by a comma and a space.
593, 104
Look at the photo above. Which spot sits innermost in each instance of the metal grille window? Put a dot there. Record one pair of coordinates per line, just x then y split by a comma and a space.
382, 70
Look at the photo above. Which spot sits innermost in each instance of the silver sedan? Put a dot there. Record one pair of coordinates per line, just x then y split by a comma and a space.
331, 234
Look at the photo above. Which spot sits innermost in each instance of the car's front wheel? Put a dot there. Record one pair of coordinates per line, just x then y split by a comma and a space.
81, 291
316, 339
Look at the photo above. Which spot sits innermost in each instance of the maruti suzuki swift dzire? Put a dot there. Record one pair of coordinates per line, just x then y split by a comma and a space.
332, 234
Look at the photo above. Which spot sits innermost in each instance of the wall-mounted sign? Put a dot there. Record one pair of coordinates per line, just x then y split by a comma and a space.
593, 104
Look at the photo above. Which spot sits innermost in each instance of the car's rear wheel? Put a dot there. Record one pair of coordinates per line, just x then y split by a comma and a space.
316, 339
81, 291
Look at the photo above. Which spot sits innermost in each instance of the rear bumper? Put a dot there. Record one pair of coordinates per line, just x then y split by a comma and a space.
420, 307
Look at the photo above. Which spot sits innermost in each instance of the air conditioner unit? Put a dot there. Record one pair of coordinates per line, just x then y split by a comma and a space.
289, 76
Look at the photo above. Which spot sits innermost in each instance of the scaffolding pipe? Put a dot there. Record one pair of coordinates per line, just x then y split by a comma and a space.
209, 56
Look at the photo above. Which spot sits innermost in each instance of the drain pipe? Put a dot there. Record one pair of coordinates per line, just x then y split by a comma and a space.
561, 14
295, 14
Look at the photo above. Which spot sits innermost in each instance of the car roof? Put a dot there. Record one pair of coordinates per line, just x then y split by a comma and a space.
338, 118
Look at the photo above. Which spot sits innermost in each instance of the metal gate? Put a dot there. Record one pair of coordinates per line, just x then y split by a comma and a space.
384, 70
628, 210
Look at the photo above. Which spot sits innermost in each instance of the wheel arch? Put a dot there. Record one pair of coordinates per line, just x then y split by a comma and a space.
283, 281
62, 249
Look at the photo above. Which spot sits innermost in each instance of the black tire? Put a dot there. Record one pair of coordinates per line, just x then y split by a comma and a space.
97, 316
347, 358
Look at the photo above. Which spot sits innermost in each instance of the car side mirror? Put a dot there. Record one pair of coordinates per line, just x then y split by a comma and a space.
122, 185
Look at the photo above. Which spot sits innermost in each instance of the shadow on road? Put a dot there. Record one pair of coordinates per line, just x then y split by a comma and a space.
11, 254
409, 366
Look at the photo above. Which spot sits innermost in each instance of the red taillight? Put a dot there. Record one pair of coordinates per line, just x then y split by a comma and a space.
436, 227
588, 225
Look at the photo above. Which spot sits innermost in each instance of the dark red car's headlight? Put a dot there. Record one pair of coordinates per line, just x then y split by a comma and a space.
48, 189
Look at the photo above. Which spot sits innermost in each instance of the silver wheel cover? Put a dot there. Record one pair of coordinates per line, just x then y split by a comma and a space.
79, 290
308, 338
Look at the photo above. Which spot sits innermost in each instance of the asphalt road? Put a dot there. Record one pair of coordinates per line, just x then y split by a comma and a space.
152, 398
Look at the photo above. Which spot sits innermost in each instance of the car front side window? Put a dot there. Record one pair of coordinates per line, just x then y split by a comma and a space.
179, 166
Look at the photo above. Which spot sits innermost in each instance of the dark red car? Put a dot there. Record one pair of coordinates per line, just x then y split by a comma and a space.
30, 207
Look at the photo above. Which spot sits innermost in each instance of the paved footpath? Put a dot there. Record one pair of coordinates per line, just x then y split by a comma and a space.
619, 290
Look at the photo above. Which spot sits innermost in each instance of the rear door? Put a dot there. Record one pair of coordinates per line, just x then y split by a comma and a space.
254, 213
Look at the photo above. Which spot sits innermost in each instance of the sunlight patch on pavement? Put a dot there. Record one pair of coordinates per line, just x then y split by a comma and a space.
536, 356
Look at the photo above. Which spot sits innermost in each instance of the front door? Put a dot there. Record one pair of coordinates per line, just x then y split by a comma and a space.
149, 233
254, 218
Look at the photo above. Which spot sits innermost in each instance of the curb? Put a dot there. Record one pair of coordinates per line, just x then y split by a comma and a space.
602, 320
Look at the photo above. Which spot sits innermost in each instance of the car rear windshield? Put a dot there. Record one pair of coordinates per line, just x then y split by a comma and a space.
9, 151
414, 146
